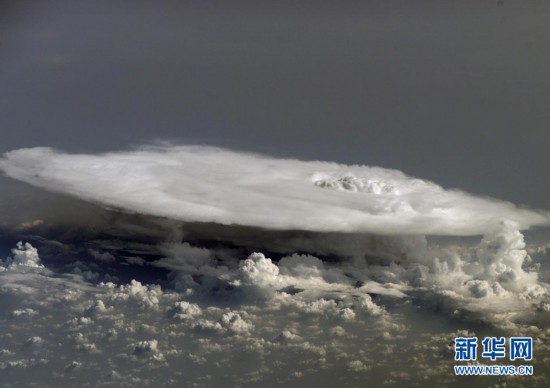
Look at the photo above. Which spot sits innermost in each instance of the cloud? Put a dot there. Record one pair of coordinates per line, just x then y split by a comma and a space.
257, 269
184, 310
60, 329
206, 184
27, 312
234, 322
101, 256
146, 347
24, 255
32, 341
147, 296
319, 267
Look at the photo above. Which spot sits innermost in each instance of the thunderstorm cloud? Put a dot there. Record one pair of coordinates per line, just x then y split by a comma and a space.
216, 267
205, 184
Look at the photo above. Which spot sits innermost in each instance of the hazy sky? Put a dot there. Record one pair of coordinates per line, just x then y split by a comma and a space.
455, 92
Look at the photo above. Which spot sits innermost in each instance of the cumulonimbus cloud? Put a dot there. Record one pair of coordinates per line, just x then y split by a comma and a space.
207, 184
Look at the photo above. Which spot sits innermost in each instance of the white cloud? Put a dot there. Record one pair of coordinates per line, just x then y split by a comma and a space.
502, 254
73, 365
234, 322
257, 269
98, 308
362, 309
27, 312
357, 366
146, 347
140, 334
147, 296
285, 336
208, 326
206, 184
32, 341
24, 255
184, 310
365, 304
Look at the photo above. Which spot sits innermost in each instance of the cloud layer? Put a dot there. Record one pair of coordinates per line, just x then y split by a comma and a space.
297, 273
205, 184
299, 321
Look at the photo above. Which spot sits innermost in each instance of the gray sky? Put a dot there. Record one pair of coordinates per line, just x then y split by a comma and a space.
455, 92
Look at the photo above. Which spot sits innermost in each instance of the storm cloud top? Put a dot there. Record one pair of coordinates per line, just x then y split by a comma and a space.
207, 184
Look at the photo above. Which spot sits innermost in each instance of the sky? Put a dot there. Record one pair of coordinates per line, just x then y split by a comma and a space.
254, 193
452, 92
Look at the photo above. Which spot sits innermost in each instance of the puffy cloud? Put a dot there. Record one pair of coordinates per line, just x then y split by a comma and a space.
73, 365
502, 254
347, 314
352, 183
27, 312
24, 255
285, 336
184, 310
146, 347
147, 296
337, 331
482, 288
138, 333
206, 184
208, 326
451, 276
32, 341
357, 366
258, 269
98, 307
234, 322
345, 301
365, 304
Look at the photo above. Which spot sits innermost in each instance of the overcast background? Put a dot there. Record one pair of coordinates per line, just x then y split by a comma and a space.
455, 92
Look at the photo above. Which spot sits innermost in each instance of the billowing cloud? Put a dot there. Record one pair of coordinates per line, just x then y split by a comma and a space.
24, 255
298, 320
205, 184
282, 270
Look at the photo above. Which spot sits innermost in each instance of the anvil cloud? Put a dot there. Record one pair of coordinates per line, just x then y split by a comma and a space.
206, 184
